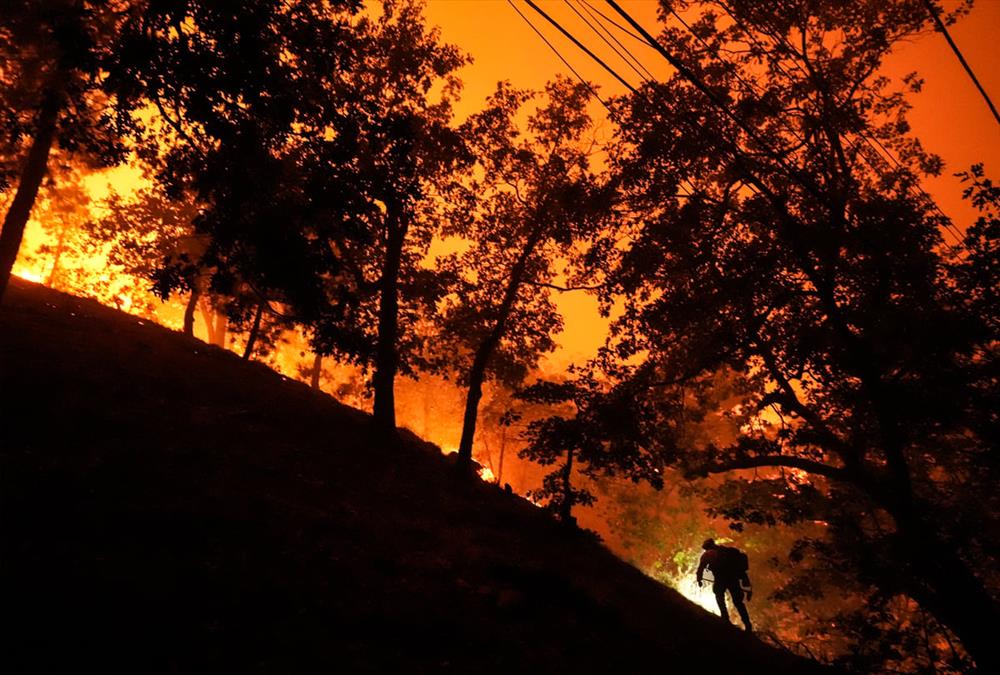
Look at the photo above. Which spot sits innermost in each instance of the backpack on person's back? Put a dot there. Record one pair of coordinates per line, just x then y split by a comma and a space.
732, 562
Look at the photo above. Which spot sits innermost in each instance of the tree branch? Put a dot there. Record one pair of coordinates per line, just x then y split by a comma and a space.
564, 289
176, 126
790, 461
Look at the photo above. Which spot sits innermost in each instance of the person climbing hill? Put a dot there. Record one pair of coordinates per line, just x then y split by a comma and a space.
730, 572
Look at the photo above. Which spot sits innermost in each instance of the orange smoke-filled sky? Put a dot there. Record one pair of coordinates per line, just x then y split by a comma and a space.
948, 115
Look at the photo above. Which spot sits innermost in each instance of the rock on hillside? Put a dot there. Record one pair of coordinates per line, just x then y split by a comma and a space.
167, 507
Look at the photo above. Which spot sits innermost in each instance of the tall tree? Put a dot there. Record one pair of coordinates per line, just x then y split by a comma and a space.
316, 141
64, 204
531, 199
149, 235
773, 239
393, 160
55, 56
235, 89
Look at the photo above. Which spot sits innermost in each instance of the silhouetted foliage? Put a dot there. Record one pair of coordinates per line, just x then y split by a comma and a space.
237, 89
315, 142
54, 92
528, 202
595, 436
770, 239
390, 163
783, 300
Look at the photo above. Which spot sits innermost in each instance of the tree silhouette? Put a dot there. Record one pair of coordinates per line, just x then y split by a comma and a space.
65, 203
152, 237
532, 197
772, 239
595, 433
315, 142
389, 164
235, 90
52, 93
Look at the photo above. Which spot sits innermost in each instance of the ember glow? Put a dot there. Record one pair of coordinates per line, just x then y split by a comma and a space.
684, 582
28, 274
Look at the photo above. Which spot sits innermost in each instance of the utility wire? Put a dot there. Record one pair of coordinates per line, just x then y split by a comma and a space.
961, 59
874, 143
614, 23
683, 191
751, 86
699, 84
600, 30
561, 57
651, 42
579, 44
600, 34
694, 79
702, 87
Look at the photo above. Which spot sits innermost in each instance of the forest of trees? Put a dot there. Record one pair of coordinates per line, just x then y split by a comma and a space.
792, 338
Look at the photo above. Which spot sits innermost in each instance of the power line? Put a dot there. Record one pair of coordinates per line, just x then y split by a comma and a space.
793, 171
961, 59
733, 68
874, 143
756, 184
561, 57
688, 74
684, 193
701, 86
623, 56
614, 23
579, 44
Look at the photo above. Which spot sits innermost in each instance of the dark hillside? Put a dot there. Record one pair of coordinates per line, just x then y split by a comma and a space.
167, 507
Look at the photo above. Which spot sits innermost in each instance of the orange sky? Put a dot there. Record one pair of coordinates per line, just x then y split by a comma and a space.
949, 116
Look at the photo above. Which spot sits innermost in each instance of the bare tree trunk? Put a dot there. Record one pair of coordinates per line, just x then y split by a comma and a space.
60, 248
426, 401
566, 507
189, 309
472, 397
477, 373
254, 331
386, 354
503, 449
32, 174
221, 328
208, 316
317, 370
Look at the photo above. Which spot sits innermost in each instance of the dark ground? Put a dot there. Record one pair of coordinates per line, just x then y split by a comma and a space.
167, 507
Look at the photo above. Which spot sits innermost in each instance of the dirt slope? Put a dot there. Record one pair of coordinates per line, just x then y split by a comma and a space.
169, 508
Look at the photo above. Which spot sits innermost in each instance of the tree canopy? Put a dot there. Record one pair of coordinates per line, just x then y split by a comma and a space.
798, 334
772, 239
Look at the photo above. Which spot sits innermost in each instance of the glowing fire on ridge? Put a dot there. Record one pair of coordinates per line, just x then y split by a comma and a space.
682, 579
687, 585
485, 473
28, 275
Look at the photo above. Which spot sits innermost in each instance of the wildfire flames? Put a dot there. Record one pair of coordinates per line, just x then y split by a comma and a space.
684, 582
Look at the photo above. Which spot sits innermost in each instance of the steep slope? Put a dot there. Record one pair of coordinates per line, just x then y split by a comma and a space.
167, 507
